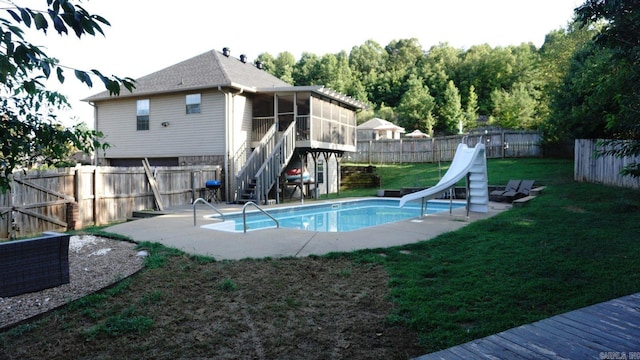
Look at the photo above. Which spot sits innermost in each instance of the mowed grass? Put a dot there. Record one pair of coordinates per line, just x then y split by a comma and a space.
499, 171
574, 246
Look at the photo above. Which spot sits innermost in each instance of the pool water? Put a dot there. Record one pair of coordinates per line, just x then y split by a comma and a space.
331, 217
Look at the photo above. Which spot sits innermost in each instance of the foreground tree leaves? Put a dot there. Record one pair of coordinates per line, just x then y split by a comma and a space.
619, 107
30, 133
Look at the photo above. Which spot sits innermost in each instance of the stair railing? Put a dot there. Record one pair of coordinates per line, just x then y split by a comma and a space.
255, 161
272, 167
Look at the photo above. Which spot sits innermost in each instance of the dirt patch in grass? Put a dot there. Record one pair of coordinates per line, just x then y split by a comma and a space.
576, 209
310, 308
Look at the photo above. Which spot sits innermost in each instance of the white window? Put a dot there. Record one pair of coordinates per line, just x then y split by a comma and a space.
320, 171
193, 103
142, 112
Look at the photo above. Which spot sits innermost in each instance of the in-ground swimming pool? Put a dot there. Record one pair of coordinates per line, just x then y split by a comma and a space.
339, 216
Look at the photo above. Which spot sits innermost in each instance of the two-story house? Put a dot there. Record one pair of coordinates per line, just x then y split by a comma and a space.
216, 109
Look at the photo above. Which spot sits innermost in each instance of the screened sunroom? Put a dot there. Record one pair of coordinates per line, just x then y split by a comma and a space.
325, 120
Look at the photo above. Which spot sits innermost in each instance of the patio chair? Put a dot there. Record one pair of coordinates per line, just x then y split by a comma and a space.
512, 185
523, 190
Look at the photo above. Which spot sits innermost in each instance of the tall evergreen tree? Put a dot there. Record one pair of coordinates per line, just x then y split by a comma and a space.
441, 62
451, 110
415, 110
471, 109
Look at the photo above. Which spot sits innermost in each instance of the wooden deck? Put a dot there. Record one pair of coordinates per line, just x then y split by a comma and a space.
609, 330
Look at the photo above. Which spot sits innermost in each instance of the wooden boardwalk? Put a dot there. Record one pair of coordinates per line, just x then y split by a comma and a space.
609, 330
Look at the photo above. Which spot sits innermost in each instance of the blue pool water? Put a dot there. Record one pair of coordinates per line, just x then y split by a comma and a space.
331, 217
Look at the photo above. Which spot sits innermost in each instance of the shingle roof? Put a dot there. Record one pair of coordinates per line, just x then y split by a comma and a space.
211, 69
379, 124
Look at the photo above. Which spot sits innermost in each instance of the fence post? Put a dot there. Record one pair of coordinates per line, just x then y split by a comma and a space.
73, 216
6, 205
502, 143
76, 211
96, 197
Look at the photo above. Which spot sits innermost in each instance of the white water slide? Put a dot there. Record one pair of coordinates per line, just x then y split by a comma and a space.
470, 164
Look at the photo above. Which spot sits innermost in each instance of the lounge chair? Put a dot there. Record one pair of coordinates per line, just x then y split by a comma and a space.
523, 190
512, 185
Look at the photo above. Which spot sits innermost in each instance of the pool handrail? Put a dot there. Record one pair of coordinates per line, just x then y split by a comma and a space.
244, 215
207, 203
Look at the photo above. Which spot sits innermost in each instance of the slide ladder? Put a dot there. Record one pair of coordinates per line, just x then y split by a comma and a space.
469, 164
478, 184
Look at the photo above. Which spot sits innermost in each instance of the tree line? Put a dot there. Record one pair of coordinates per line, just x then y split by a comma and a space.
583, 82
443, 89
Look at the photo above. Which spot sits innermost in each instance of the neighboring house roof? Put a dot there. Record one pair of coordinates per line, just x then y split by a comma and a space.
208, 70
379, 124
417, 134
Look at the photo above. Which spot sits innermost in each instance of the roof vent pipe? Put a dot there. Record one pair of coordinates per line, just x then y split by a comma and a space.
259, 64
243, 58
226, 51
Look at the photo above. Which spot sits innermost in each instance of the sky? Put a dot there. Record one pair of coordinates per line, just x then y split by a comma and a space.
148, 35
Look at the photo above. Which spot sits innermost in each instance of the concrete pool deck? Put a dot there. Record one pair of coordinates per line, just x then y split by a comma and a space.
175, 229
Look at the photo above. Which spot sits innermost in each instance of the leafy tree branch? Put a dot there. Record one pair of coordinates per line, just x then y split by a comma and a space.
29, 130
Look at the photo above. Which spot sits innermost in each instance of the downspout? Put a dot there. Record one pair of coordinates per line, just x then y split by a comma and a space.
229, 112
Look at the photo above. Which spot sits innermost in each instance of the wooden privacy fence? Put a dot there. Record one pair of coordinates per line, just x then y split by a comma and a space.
70, 198
601, 169
502, 144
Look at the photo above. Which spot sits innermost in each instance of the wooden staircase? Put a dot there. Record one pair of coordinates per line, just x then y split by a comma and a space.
248, 192
264, 166
245, 181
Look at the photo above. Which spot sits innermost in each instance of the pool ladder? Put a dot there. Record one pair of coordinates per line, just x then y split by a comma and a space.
207, 203
244, 215
244, 212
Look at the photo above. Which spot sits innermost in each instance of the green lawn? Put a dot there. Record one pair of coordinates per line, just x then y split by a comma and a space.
499, 171
574, 246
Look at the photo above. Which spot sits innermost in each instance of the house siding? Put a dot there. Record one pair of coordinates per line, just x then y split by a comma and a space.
329, 183
240, 147
184, 134
241, 135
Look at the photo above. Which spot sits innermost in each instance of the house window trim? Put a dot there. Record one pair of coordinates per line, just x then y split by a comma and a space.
142, 115
321, 171
192, 107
